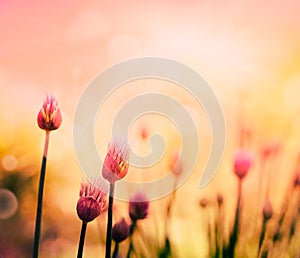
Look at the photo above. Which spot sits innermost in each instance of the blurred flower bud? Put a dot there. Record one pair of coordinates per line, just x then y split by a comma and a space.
115, 165
270, 149
176, 165
120, 231
220, 199
91, 203
203, 202
297, 180
267, 210
138, 207
49, 117
144, 132
242, 162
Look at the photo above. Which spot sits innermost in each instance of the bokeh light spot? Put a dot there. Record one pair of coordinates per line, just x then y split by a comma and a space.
8, 203
9, 163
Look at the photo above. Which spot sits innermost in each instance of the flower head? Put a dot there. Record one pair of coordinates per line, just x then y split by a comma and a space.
115, 165
203, 202
91, 203
242, 163
267, 210
120, 231
49, 117
138, 207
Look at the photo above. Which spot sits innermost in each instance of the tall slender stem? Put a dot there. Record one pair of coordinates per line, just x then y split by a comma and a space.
38, 220
169, 208
116, 250
109, 221
235, 231
81, 240
262, 236
132, 228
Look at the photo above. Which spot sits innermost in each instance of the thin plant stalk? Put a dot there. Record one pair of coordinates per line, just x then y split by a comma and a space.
116, 250
262, 237
109, 221
81, 240
219, 232
132, 228
234, 234
38, 220
169, 208
166, 250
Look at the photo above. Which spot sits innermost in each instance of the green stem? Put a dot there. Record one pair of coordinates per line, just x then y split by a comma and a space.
38, 219
81, 240
109, 221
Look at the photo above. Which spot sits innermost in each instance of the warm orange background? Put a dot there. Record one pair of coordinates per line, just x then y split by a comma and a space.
248, 51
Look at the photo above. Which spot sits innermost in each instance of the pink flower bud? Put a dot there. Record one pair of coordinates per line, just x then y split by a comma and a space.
267, 210
88, 208
115, 165
176, 165
138, 207
49, 117
144, 132
120, 231
91, 203
242, 163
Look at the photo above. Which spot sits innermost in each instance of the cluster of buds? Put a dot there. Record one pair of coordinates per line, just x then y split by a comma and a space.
91, 203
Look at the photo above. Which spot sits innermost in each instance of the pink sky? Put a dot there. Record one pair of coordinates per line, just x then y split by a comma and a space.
51, 46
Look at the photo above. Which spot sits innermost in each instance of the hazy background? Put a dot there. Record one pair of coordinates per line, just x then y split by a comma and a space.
248, 51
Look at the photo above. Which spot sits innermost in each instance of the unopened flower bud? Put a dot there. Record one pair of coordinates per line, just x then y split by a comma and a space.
267, 210
176, 164
115, 165
220, 199
242, 163
297, 180
49, 117
87, 209
91, 203
203, 202
120, 231
138, 207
